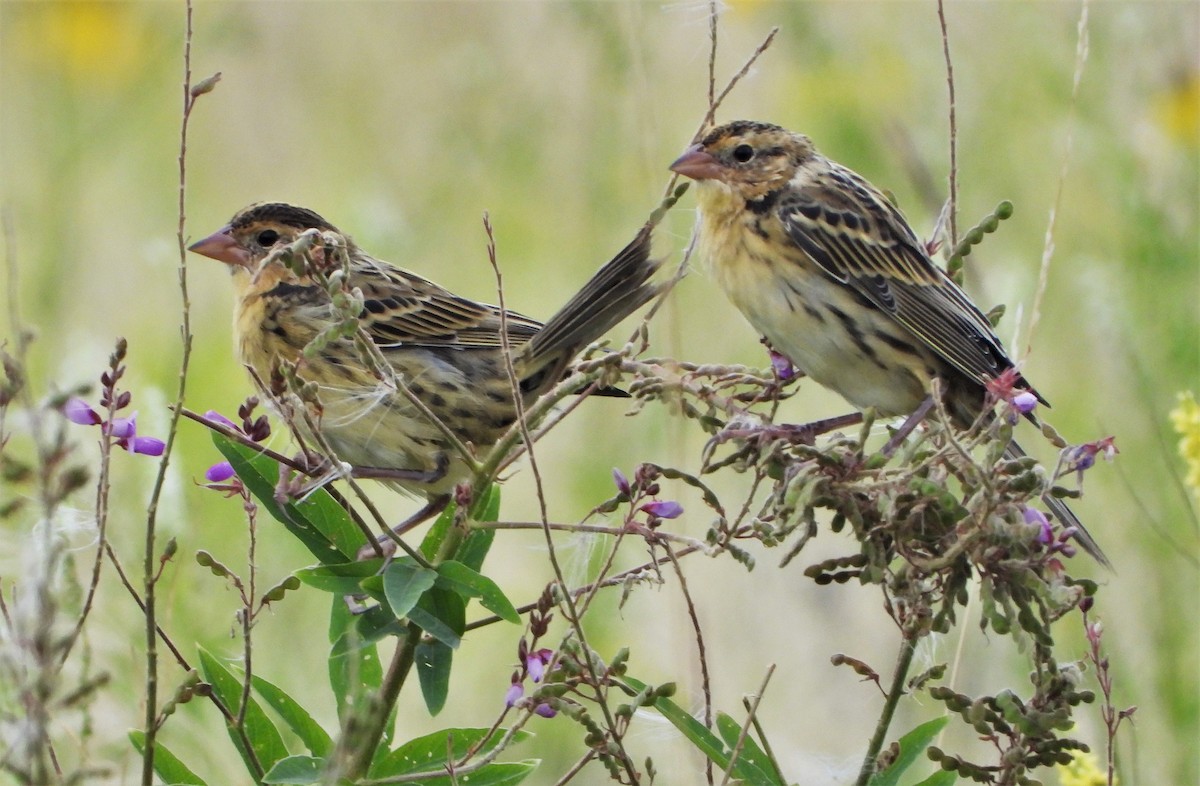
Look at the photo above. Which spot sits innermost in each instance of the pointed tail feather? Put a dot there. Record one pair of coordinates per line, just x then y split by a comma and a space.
1065, 515
618, 289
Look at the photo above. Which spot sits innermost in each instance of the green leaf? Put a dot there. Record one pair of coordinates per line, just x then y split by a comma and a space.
433, 660
404, 582
433, 751
707, 742
730, 730
495, 774
377, 623
296, 769
912, 746
468, 583
441, 614
343, 578
298, 719
265, 739
940, 778
354, 668
166, 764
476, 544
436, 533
317, 521
502, 774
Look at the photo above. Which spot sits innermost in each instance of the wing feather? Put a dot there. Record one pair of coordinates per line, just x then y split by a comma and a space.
876, 254
403, 309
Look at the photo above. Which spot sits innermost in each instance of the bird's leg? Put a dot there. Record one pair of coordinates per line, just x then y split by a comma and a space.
387, 545
807, 433
433, 507
796, 434
405, 475
907, 427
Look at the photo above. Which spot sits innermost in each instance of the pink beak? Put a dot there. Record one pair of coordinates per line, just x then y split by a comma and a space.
221, 246
698, 165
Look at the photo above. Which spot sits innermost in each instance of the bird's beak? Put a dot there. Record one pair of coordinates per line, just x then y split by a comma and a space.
698, 164
221, 246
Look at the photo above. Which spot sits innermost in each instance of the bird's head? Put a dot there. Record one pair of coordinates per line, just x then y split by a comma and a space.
750, 158
255, 230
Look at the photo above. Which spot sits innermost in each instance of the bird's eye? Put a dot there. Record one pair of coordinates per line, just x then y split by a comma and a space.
743, 153
267, 238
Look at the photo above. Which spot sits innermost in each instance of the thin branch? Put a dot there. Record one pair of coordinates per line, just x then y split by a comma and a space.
710, 116
903, 663
149, 550
594, 529
1081, 56
713, 15
523, 423
701, 655
941, 8
750, 720
247, 610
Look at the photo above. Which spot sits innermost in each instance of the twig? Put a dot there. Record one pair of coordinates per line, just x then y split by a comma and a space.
523, 423
576, 768
149, 550
750, 719
903, 663
752, 709
1081, 55
710, 116
611, 581
103, 485
941, 9
701, 654
712, 60
247, 610
594, 529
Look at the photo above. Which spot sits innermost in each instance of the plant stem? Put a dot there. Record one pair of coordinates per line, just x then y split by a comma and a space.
903, 663
360, 738
358, 742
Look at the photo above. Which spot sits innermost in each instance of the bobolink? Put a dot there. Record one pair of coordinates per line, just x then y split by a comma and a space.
445, 348
830, 272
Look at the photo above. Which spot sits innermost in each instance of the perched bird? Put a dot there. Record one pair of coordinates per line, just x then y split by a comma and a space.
823, 265
446, 349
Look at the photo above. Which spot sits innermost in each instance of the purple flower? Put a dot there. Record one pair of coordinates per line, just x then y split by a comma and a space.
78, 411
125, 431
216, 417
123, 428
147, 446
514, 694
219, 472
1083, 457
1024, 402
663, 509
1036, 517
536, 662
621, 481
781, 364
545, 710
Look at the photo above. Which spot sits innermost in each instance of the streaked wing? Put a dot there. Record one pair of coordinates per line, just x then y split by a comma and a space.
402, 309
857, 237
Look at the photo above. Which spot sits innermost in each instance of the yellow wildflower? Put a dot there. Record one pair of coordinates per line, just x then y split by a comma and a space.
1177, 109
1186, 420
1084, 770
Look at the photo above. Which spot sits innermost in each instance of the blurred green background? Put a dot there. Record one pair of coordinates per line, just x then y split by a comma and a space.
403, 122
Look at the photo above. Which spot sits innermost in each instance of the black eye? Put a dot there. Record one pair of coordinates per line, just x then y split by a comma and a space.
743, 153
267, 238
